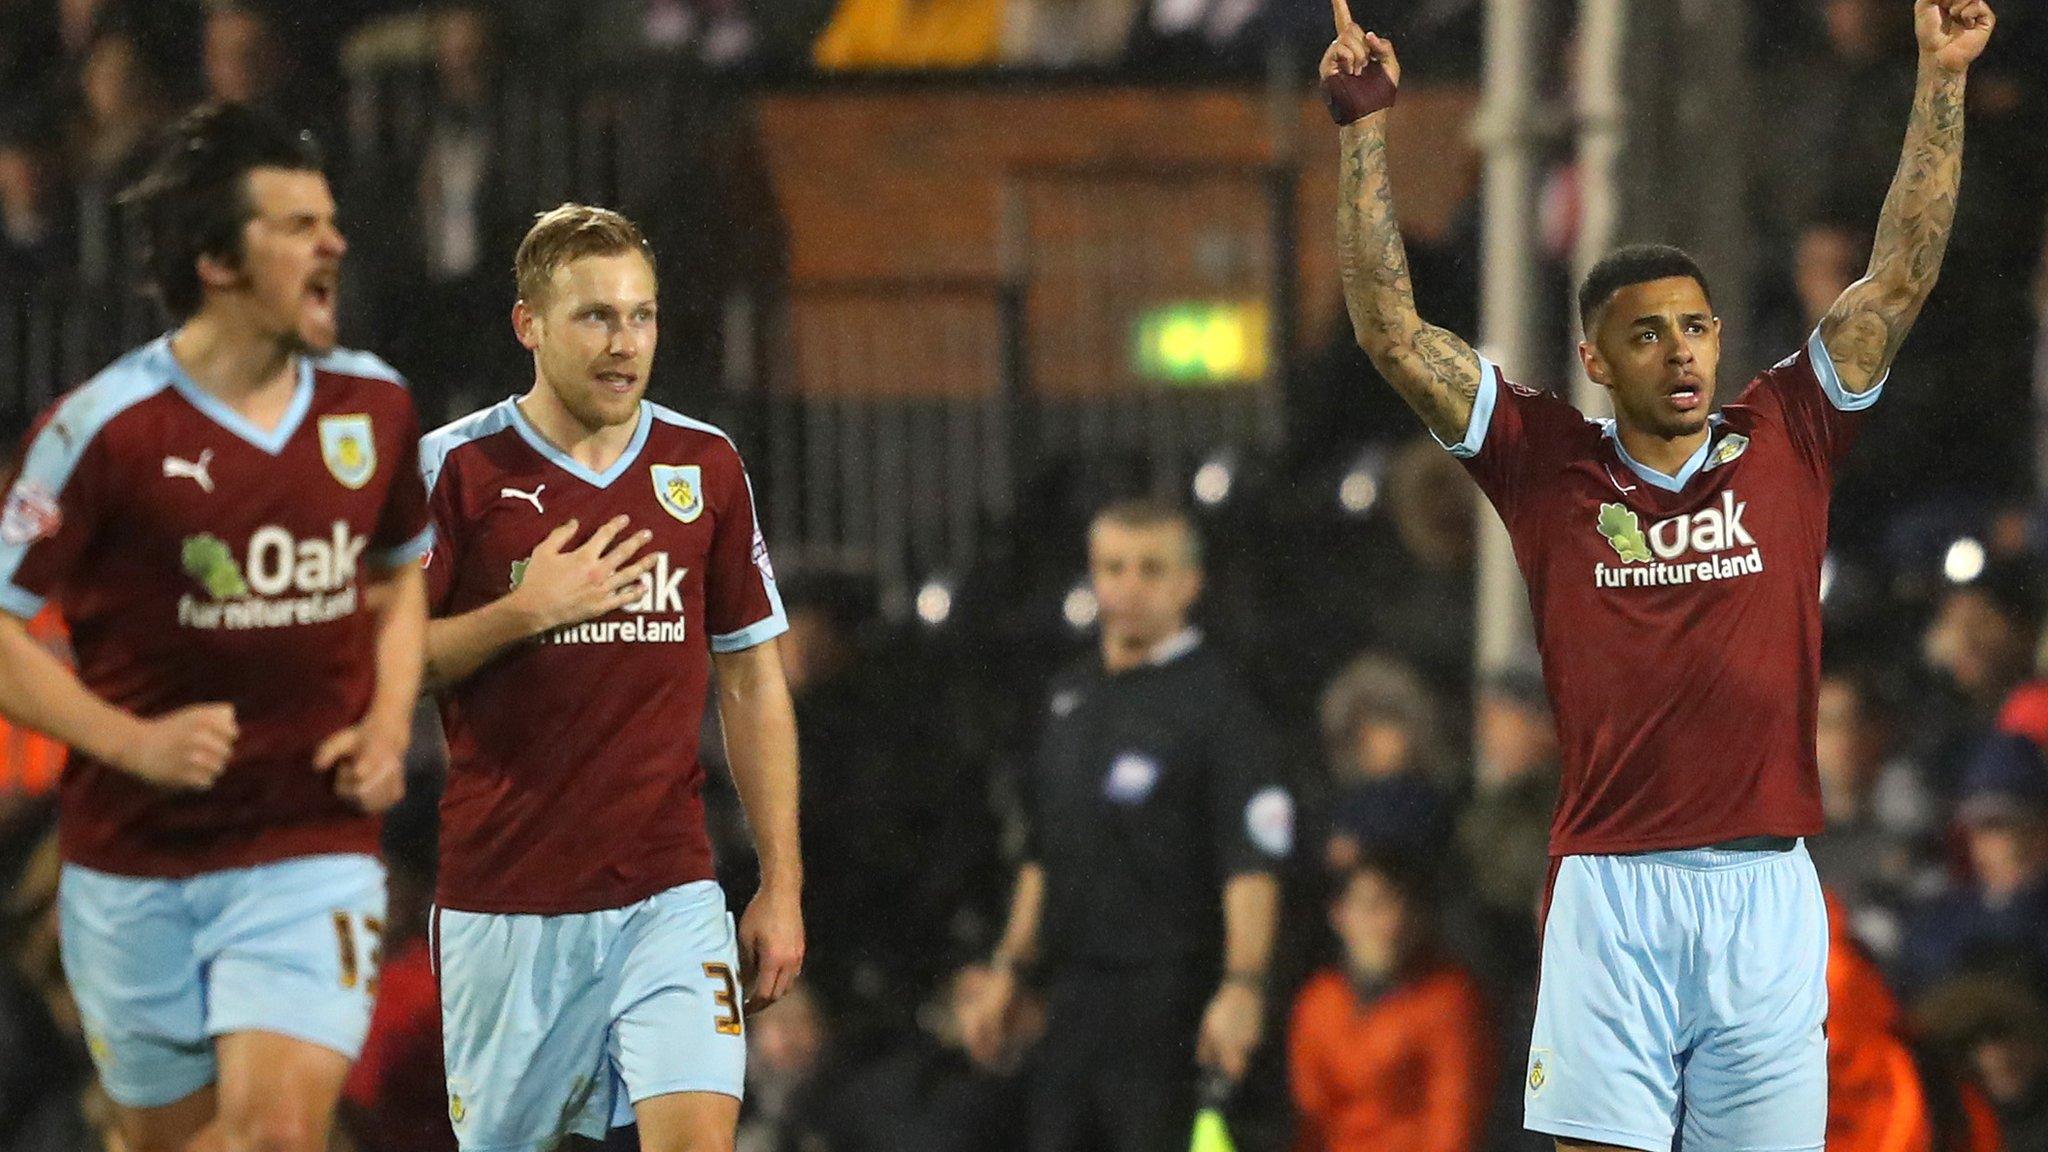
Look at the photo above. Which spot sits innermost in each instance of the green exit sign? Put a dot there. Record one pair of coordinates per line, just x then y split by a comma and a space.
1197, 342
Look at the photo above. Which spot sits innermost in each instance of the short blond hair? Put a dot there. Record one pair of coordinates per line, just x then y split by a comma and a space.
566, 234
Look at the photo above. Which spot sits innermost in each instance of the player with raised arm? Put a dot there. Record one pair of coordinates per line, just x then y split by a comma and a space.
212, 515
598, 558
1672, 557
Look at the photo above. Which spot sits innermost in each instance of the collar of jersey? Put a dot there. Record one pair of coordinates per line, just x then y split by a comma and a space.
567, 463
1658, 479
215, 409
1175, 646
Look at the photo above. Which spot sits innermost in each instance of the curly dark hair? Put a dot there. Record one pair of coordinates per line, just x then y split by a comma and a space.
194, 199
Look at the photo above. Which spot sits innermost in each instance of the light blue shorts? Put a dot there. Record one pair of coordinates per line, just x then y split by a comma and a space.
1683, 992
161, 967
559, 1024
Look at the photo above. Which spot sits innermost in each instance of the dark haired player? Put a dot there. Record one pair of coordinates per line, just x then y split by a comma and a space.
230, 519
1673, 561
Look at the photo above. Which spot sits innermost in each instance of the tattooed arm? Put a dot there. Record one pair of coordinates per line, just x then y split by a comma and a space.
1866, 325
1432, 369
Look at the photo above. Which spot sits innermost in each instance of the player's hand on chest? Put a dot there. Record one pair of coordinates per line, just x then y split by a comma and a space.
598, 550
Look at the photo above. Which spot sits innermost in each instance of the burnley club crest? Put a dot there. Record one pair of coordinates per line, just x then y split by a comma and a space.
680, 489
348, 448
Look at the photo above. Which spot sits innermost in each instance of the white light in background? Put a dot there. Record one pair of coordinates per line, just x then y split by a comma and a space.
1964, 562
1362, 485
1080, 607
935, 603
1213, 481
1358, 492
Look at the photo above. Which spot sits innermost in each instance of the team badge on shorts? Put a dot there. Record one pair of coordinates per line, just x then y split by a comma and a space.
680, 489
348, 448
1537, 1076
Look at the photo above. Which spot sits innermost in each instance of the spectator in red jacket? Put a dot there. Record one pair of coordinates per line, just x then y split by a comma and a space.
1392, 1048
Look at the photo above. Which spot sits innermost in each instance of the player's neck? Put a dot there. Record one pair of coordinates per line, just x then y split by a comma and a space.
232, 362
1665, 454
595, 448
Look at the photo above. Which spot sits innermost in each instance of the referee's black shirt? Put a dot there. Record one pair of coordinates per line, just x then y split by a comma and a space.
1152, 788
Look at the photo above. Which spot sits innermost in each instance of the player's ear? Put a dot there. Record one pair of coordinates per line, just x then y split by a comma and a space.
219, 272
1596, 368
524, 321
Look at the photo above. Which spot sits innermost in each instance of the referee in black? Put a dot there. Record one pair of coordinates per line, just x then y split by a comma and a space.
1147, 898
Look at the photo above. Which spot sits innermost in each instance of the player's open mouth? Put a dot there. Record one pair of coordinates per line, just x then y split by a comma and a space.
619, 382
320, 291
1685, 397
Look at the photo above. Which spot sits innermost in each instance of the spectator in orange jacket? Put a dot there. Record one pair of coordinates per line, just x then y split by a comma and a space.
1392, 1049
1882, 1097
30, 761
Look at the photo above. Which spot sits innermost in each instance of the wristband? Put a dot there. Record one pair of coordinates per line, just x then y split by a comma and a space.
1352, 98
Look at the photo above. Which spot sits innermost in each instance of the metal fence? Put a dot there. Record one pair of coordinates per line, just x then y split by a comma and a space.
59, 328
905, 416
891, 426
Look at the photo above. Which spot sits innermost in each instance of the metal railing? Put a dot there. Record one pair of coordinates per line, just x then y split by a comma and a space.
56, 330
890, 425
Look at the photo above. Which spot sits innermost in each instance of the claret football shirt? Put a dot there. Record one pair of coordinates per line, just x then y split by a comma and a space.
198, 559
573, 781
1678, 617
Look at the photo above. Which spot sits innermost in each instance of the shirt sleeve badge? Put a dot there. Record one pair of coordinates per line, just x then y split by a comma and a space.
31, 514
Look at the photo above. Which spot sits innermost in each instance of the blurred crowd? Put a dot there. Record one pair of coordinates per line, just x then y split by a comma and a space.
441, 127
1340, 578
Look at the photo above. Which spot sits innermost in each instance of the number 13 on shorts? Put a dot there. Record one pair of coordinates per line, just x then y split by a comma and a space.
361, 941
